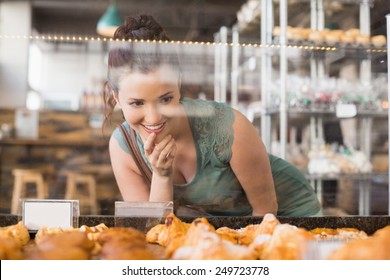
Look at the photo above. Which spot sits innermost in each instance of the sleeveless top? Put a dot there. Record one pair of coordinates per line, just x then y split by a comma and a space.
215, 189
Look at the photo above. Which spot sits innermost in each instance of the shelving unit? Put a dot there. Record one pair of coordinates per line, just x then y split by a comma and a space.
388, 95
319, 58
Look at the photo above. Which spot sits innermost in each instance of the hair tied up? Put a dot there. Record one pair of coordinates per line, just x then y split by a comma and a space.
142, 27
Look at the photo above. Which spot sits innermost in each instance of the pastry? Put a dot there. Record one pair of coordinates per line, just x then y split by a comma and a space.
210, 246
172, 228
202, 242
333, 37
345, 234
123, 244
286, 243
71, 245
44, 232
18, 232
363, 40
267, 226
375, 247
347, 39
129, 233
317, 37
228, 234
276, 31
353, 32
378, 41
10, 249
192, 236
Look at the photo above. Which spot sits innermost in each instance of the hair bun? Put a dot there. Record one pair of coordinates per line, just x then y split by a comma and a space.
143, 27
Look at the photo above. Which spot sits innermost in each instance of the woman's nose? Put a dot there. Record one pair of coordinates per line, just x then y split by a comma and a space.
152, 115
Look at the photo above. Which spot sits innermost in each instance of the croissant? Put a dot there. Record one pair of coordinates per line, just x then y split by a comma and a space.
202, 242
18, 232
171, 229
71, 245
267, 226
286, 243
10, 249
375, 247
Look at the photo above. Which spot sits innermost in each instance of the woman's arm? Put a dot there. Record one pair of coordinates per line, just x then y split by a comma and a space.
129, 179
250, 163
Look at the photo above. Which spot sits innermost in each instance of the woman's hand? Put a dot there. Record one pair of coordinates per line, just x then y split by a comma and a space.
160, 155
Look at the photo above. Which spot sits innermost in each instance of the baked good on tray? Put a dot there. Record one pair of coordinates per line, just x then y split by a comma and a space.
164, 233
66, 245
12, 239
287, 242
375, 247
202, 241
99, 242
338, 234
18, 232
123, 244
267, 226
10, 249
178, 240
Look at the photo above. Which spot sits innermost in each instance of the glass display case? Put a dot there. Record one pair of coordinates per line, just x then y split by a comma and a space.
319, 101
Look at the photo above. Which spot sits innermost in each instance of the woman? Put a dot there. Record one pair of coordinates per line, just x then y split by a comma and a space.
203, 155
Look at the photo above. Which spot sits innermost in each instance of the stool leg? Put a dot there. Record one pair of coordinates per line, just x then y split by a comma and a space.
92, 196
70, 187
18, 185
41, 193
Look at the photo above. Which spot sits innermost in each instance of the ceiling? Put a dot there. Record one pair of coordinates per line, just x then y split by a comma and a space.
182, 19
195, 20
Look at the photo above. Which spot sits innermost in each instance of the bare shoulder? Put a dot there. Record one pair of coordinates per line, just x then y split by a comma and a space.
120, 157
246, 137
125, 170
242, 125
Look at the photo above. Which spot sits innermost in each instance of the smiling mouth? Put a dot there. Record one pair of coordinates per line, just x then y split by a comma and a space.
154, 128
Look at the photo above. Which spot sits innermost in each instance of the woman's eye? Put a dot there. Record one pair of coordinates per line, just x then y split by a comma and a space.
166, 99
136, 103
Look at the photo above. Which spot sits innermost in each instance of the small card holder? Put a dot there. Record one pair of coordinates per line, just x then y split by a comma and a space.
141, 215
37, 213
142, 209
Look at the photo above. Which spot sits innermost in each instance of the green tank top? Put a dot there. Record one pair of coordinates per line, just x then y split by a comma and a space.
215, 188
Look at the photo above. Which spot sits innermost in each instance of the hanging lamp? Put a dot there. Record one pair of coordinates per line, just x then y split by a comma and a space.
110, 21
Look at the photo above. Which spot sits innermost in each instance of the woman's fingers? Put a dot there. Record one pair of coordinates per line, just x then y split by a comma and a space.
162, 154
149, 144
167, 154
166, 151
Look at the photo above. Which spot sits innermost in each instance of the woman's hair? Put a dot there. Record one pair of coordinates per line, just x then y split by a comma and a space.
142, 27
140, 45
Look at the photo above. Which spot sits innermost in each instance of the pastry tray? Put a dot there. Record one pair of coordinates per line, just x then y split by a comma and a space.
369, 224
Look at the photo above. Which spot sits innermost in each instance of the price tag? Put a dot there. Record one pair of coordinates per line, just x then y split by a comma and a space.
346, 110
49, 213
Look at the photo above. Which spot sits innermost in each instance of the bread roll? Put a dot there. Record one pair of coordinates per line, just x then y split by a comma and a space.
333, 37
276, 31
346, 39
353, 32
317, 37
363, 40
378, 41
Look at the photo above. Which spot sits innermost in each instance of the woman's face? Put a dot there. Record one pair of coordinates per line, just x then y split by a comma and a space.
150, 102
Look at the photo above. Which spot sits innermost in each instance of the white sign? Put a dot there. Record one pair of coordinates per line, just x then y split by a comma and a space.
346, 110
49, 213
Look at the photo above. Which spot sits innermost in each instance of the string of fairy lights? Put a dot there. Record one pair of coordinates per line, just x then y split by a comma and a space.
103, 39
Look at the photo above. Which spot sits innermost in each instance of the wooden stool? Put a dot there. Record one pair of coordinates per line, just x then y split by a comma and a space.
75, 179
22, 178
